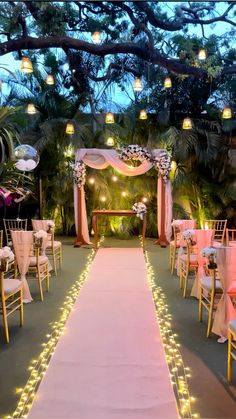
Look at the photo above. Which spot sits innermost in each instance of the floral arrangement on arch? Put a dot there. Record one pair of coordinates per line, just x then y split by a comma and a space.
163, 165
79, 173
140, 209
134, 153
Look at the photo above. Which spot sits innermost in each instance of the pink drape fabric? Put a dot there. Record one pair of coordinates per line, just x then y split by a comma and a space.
110, 363
225, 312
22, 244
203, 239
101, 159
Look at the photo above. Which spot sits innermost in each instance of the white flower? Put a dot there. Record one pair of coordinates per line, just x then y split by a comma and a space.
6, 253
188, 234
41, 234
140, 209
50, 224
208, 252
79, 173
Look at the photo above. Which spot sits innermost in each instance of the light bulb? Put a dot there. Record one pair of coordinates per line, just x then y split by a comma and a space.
144, 199
187, 123
114, 178
103, 198
91, 180
124, 194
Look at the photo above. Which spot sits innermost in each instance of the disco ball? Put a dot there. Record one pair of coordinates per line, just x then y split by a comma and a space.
27, 158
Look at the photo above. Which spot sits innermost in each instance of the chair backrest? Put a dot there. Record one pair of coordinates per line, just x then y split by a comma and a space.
219, 227
231, 237
13, 225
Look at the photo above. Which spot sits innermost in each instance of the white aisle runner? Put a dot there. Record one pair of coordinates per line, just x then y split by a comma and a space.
110, 363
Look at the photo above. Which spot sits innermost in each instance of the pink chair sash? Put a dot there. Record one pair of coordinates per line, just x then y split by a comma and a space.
22, 243
40, 225
203, 239
225, 312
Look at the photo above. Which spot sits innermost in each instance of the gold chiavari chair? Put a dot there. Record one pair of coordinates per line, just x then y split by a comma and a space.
187, 263
38, 268
219, 227
11, 298
13, 224
210, 293
174, 246
54, 250
1, 238
231, 348
231, 237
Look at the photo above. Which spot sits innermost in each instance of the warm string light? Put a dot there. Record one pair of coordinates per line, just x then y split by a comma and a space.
91, 180
103, 198
124, 194
144, 199
39, 366
178, 372
114, 178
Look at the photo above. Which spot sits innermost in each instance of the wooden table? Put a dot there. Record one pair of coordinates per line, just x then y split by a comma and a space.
112, 213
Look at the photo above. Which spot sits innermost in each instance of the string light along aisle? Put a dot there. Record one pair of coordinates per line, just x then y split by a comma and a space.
39, 365
178, 372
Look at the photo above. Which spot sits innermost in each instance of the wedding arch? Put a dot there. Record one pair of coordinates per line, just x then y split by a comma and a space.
101, 159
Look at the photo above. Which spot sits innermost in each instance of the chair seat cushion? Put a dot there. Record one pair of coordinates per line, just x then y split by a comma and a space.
232, 289
42, 260
216, 244
206, 283
193, 259
232, 243
56, 244
232, 326
11, 286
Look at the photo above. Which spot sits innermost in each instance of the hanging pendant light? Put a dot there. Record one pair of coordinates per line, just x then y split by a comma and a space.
26, 65
110, 141
143, 114
50, 80
137, 85
187, 123
109, 119
227, 113
167, 83
70, 129
202, 54
31, 109
96, 37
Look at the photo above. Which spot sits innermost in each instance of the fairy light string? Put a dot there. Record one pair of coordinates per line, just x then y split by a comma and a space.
38, 366
179, 374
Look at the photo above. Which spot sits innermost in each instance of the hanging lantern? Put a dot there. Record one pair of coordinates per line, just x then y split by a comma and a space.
26, 65
109, 119
137, 86
50, 80
202, 54
31, 109
110, 141
70, 129
167, 83
143, 114
96, 36
227, 113
187, 123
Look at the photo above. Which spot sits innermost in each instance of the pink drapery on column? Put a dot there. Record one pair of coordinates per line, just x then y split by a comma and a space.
101, 159
22, 244
203, 239
225, 312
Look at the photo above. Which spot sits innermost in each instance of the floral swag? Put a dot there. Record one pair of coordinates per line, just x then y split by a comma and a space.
79, 173
136, 153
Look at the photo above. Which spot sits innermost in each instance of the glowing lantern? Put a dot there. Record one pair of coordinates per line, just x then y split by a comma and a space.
202, 54
109, 118
50, 80
227, 113
137, 86
143, 114
26, 65
167, 83
70, 129
187, 123
110, 141
30, 109
96, 36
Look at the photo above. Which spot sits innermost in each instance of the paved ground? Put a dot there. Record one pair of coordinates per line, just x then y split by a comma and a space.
205, 357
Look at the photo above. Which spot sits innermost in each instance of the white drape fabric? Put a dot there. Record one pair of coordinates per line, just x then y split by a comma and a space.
101, 159
225, 312
22, 244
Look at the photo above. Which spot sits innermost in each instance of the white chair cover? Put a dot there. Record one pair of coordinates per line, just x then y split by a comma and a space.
225, 312
22, 244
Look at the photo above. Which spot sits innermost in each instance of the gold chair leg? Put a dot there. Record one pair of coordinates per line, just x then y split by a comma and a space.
210, 316
47, 279
60, 260
173, 261
55, 264
40, 284
229, 368
21, 309
180, 275
185, 283
4, 312
170, 257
